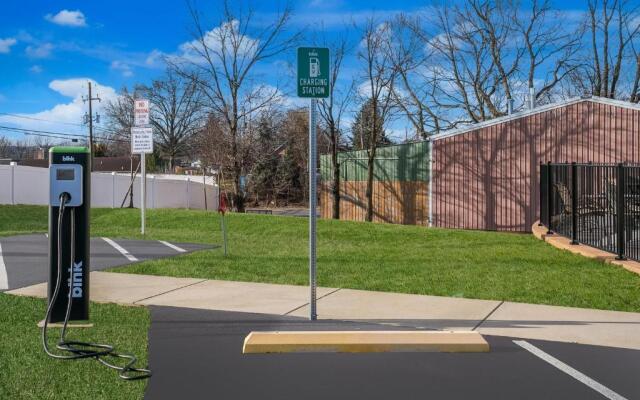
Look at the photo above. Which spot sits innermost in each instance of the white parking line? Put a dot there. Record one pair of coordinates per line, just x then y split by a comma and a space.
121, 249
4, 281
173, 246
598, 387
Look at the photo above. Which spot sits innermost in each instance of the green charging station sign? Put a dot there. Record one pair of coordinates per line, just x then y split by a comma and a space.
313, 72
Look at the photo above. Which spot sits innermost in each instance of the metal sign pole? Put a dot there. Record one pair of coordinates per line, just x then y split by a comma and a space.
313, 83
143, 190
312, 207
142, 142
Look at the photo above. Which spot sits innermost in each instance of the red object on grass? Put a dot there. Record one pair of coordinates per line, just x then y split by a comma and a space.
222, 204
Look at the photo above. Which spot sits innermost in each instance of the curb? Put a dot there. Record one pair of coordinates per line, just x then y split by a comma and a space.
364, 342
564, 243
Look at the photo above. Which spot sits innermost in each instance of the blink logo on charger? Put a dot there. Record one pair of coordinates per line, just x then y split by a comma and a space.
76, 290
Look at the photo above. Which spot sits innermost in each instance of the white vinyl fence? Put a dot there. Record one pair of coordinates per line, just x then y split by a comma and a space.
30, 185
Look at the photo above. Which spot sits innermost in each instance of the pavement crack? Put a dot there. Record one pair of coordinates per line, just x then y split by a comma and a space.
307, 303
169, 291
488, 315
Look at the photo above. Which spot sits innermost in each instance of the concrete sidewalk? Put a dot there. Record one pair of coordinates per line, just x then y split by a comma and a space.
565, 324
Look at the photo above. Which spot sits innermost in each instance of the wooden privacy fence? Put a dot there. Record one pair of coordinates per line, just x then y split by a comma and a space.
400, 185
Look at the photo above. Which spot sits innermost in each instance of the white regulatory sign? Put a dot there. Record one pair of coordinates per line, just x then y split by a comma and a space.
141, 140
141, 112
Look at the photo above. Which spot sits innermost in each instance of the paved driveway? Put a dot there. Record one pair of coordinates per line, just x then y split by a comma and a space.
24, 258
197, 354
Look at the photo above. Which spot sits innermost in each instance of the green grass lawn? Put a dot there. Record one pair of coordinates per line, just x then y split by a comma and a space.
28, 373
22, 219
406, 259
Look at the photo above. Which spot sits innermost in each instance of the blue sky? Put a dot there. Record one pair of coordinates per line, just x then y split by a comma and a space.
48, 49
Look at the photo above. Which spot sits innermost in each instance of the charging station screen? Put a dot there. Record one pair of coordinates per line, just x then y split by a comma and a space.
65, 175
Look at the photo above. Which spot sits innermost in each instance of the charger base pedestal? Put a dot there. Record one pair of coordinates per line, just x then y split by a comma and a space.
69, 325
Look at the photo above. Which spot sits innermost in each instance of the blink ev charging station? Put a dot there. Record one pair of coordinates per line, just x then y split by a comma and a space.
69, 212
69, 207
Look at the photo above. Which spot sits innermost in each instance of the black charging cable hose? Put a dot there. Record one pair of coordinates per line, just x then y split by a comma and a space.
79, 350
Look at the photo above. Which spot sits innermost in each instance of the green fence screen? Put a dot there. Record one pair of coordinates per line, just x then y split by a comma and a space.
402, 162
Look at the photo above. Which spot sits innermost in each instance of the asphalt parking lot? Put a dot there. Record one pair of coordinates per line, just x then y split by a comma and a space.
24, 258
197, 354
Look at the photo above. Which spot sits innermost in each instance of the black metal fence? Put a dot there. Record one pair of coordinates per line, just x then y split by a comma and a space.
594, 204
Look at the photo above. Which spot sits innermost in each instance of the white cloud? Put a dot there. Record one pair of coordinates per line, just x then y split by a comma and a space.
40, 51
5, 45
363, 90
123, 67
65, 117
67, 18
191, 51
325, 3
36, 69
154, 58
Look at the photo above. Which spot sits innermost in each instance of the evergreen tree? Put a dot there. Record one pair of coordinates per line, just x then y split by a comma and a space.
363, 125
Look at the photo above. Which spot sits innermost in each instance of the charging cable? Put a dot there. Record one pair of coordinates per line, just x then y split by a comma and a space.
78, 349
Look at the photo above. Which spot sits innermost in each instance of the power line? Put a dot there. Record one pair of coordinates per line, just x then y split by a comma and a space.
44, 135
41, 131
41, 119
107, 130
59, 136
38, 132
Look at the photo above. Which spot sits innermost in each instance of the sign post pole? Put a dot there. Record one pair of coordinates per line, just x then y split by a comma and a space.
313, 83
142, 143
313, 156
143, 191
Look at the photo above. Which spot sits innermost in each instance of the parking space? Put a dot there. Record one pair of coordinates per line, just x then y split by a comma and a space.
24, 258
197, 354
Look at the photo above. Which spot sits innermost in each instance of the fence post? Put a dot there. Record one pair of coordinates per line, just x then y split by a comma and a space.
620, 203
113, 189
153, 191
188, 192
549, 197
13, 183
542, 199
574, 203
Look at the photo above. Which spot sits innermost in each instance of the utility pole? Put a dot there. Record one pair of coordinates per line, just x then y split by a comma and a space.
89, 119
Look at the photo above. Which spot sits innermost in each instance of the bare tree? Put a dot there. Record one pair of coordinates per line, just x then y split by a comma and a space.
613, 26
491, 19
478, 56
547, 41
176, 113
331, 111
221, 62
416, 85
635, 89
463, 65
212, 142
22, 149
5, 147
379, 75
119, 116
